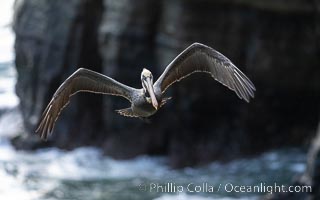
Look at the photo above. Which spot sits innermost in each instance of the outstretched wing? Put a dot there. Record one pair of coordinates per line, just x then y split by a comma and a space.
83, 80
201, 58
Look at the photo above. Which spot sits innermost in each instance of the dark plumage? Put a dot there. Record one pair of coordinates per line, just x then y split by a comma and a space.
147, 100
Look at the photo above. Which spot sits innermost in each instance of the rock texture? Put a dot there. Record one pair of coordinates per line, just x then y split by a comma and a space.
276, 43
53, 39
311, 176
312, 173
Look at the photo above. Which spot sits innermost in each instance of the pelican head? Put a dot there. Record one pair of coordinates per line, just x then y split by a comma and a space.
147, 84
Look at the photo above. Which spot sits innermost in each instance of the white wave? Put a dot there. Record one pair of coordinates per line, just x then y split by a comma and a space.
12, 182
7, 152
89, 163
6, 34
298, 167
11, 124
84, 163
10, 189
6, 44
8, 98
6, 10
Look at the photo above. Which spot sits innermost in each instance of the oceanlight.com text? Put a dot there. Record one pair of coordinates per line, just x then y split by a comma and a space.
171, 187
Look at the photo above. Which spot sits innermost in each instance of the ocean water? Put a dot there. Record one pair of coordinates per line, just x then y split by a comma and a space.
7, 72
86, 174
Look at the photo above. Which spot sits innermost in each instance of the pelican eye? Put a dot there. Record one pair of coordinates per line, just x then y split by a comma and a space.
147, 95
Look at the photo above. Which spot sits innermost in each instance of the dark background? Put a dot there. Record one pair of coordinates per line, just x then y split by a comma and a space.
275, 42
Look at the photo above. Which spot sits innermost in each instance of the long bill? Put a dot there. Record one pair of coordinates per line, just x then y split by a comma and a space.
151, 93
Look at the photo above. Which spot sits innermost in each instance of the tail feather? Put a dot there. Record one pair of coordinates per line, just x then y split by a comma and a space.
126, 112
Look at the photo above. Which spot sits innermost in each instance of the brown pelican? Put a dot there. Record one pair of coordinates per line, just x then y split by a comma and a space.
147, 100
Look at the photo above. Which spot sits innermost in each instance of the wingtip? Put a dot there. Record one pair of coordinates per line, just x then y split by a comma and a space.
42, 135
254, 87
44, 139
37, 132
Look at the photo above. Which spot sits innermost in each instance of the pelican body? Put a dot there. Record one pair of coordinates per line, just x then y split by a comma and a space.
147, 100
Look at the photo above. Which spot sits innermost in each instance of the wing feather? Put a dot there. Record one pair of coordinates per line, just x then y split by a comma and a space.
201, 58
83, 80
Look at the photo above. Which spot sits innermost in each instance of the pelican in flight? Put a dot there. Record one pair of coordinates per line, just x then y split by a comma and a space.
147, 100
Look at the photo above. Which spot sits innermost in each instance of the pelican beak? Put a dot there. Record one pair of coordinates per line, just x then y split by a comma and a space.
151, 93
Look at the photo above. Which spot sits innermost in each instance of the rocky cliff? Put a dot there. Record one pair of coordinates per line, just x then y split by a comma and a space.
276, 43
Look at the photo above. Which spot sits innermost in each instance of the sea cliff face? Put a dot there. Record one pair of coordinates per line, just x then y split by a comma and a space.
276, 43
